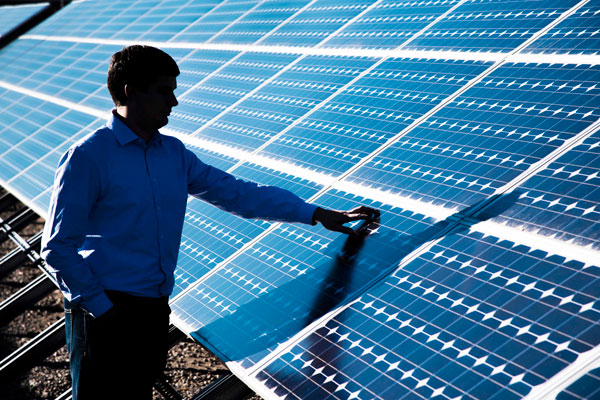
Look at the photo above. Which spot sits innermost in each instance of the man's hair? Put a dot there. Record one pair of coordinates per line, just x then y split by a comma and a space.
139, 66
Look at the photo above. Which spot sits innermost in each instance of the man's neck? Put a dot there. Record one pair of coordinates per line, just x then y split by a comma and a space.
132, 123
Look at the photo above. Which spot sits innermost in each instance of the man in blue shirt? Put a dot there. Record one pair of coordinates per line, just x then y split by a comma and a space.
115, 223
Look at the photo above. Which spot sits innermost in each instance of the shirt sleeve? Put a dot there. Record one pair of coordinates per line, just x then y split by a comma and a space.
76, 188
243, 198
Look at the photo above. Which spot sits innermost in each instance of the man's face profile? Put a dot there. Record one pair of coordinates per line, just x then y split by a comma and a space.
153, 103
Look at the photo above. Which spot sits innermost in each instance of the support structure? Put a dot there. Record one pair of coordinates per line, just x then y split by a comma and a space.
25, 298
33, 352
228, 387
18, 256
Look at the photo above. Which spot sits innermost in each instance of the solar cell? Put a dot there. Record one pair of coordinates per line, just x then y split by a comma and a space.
368, 113
11, 16
261, 20
277, 103
317, 22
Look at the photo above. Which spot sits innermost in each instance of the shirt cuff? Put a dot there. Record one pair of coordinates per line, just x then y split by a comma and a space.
98, 305
306, 212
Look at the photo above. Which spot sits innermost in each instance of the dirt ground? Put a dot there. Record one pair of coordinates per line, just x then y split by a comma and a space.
190, 367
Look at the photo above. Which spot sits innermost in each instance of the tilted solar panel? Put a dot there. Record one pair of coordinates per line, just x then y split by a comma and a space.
456, 118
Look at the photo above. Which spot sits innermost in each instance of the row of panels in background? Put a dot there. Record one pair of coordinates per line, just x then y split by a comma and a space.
488, 26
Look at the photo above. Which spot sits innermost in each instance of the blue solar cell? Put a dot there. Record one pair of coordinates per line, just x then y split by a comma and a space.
489, 134
315, 24
389, 24
490, 25
574, 35
562, 200
12, 16
369, 112
436, 332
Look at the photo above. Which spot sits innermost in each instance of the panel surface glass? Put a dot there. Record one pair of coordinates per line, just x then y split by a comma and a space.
260, 21
368, 113
577, 34
563, 200
389, 24
475, 316
278, 103
212, 95
490, 25
295, 275
315, 24
488, 135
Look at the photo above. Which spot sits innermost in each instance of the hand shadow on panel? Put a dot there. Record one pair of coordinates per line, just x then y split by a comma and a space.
256, 327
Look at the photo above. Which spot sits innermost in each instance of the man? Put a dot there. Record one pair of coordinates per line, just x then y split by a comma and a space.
115, 222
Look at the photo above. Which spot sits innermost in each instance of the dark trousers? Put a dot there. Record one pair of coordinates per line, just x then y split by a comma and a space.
121, 354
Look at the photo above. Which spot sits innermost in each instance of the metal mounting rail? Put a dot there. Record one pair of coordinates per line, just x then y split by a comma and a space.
34, 351
19, 255
18, 220
26, 297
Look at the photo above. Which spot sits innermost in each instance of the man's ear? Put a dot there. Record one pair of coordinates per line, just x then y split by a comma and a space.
129, 91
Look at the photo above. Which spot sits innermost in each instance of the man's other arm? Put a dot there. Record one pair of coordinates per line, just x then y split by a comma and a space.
76, 188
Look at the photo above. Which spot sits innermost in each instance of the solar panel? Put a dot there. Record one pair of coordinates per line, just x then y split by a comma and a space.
11, 16
456, 118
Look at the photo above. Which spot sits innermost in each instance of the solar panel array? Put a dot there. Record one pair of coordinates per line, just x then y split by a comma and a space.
472, 125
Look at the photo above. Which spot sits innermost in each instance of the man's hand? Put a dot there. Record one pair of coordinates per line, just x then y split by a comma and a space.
335, 220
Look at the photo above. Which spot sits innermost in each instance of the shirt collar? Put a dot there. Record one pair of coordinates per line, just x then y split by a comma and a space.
123, 133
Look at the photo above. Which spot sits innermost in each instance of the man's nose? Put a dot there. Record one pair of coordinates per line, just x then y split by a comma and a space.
174, 101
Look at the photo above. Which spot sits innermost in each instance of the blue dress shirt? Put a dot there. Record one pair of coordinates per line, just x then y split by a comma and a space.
117, 212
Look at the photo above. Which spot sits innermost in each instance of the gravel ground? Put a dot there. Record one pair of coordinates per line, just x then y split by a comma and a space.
190, 366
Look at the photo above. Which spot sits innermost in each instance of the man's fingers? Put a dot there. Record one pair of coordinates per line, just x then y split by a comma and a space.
362, 213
